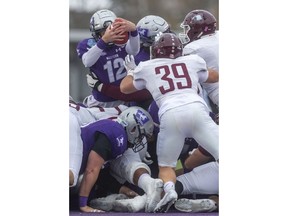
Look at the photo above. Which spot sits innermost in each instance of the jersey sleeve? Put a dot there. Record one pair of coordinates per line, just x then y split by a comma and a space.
84, 45
190, 49
102, 146
133, 45
202, 69
114, 92
138, 79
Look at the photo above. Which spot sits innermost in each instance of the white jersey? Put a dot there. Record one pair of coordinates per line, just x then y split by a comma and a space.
78, 116
207, 47
82, 114
172, 82
106, 112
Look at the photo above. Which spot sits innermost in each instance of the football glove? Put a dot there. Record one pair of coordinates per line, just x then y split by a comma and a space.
129, 64
93, 82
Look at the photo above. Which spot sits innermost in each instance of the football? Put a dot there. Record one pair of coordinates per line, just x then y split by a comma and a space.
122, 41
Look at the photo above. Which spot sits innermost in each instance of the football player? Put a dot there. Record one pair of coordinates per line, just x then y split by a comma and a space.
78, 116
201, 37
108, 142
172, 80
149, 27
105, 59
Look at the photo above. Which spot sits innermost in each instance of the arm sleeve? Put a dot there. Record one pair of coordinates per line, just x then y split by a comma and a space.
133, 45
114, 92
138, 82
92, 55
102, 146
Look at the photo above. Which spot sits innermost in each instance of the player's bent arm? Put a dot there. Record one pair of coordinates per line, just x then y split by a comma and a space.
94, 164
92, 55
133, 45
114, 92
213, 76
126, 85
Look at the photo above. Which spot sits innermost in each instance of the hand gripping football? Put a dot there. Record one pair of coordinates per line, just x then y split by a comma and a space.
122, 41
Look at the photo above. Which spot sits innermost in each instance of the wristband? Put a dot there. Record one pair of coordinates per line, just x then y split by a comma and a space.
83, 201
130, 72
134, 33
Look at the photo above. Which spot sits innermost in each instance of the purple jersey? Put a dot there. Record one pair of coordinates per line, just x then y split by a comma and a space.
114, 132
109, 67
143, 55
153, 111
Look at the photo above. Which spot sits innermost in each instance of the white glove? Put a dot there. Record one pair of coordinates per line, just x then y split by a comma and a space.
93, 82
147, 159
129, 63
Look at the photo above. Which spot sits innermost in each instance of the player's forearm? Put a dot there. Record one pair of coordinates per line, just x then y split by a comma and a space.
133, 45
126, 85
213, 76
114, 92
92, 55
87, 184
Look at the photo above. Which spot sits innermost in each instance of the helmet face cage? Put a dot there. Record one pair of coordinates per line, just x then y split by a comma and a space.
196, 24
149, 26
139, 141
100, 21
168, 45
96, 34
138, 124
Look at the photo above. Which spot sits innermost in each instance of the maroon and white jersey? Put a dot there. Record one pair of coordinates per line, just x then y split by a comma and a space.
172, 82
207, 47
106, 112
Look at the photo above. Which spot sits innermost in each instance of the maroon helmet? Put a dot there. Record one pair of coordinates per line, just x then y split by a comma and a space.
196, 24
167, 45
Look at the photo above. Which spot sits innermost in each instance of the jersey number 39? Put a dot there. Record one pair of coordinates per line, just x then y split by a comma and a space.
176, 77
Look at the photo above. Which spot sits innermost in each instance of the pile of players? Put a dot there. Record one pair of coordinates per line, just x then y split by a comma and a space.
147, 137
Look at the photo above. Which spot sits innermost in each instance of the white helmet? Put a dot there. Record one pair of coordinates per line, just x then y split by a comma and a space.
149, 26
138, 124
100, 21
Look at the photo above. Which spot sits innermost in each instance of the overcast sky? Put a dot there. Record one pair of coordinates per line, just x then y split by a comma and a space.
88, 5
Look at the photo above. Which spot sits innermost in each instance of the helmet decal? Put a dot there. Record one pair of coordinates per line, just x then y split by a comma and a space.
141, 117
143, 32
138, 124
197, 17
120, 141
